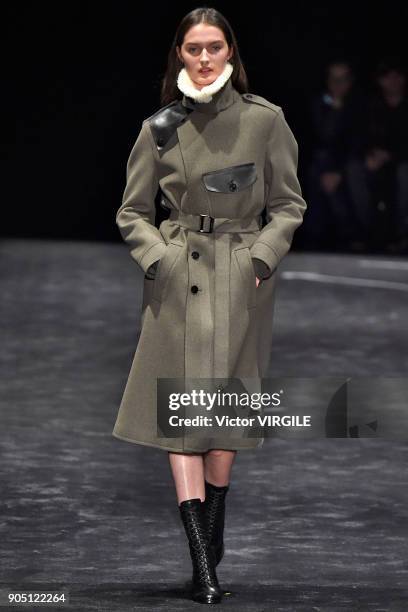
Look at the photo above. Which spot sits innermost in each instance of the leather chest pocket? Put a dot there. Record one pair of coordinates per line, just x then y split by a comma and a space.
247, 270
165, 269
231, 179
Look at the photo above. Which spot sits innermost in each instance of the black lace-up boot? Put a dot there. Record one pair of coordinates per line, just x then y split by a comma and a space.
205, 586
214, 509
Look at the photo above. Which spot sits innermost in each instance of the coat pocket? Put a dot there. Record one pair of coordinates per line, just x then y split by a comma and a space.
231, 179
164, 270
247, 270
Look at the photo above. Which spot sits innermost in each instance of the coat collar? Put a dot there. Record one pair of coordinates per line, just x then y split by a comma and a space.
221, 100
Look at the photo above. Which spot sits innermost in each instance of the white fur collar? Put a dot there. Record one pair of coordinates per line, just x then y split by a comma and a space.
186, 85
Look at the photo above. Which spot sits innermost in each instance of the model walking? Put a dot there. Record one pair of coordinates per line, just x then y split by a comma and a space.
222, 157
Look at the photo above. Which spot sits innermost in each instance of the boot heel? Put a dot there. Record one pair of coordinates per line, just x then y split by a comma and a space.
205, 586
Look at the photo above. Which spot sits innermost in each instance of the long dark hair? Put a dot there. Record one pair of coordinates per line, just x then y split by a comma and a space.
169, 89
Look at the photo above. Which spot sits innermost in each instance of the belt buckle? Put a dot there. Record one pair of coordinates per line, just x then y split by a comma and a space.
202, 230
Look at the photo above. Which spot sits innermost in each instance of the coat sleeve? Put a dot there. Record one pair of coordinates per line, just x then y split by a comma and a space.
135, 217
285, 205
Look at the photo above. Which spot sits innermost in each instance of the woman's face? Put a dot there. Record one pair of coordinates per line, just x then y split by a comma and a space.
204, 47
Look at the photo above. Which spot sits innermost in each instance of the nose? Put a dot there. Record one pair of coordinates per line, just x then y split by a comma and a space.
204, 56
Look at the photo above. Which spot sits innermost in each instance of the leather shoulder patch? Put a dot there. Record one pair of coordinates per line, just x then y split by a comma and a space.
254, 99
164, 122
163, 108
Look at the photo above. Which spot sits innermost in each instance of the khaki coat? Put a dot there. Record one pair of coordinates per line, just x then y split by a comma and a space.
227, 171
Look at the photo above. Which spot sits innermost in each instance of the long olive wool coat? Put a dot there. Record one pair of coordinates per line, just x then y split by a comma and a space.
219, 165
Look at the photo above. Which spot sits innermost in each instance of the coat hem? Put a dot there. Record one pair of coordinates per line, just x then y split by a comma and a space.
185, 450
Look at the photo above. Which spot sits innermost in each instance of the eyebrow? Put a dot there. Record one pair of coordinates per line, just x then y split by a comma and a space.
211, 43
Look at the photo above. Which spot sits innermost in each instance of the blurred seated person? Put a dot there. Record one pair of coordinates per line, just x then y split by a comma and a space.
382, 173
337, 139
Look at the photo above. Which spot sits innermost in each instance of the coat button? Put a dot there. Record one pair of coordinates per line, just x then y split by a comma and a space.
160, 141
232, 186
194, 289
195, 255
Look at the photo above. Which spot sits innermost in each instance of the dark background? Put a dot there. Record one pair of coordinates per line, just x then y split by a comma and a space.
85, 74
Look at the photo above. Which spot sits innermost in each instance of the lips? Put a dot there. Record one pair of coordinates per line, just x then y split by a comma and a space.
205, 71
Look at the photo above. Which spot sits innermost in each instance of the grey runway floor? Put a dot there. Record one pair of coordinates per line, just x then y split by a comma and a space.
312, 525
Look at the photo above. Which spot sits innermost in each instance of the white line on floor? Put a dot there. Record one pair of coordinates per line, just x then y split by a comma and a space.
343, 280
386, 264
